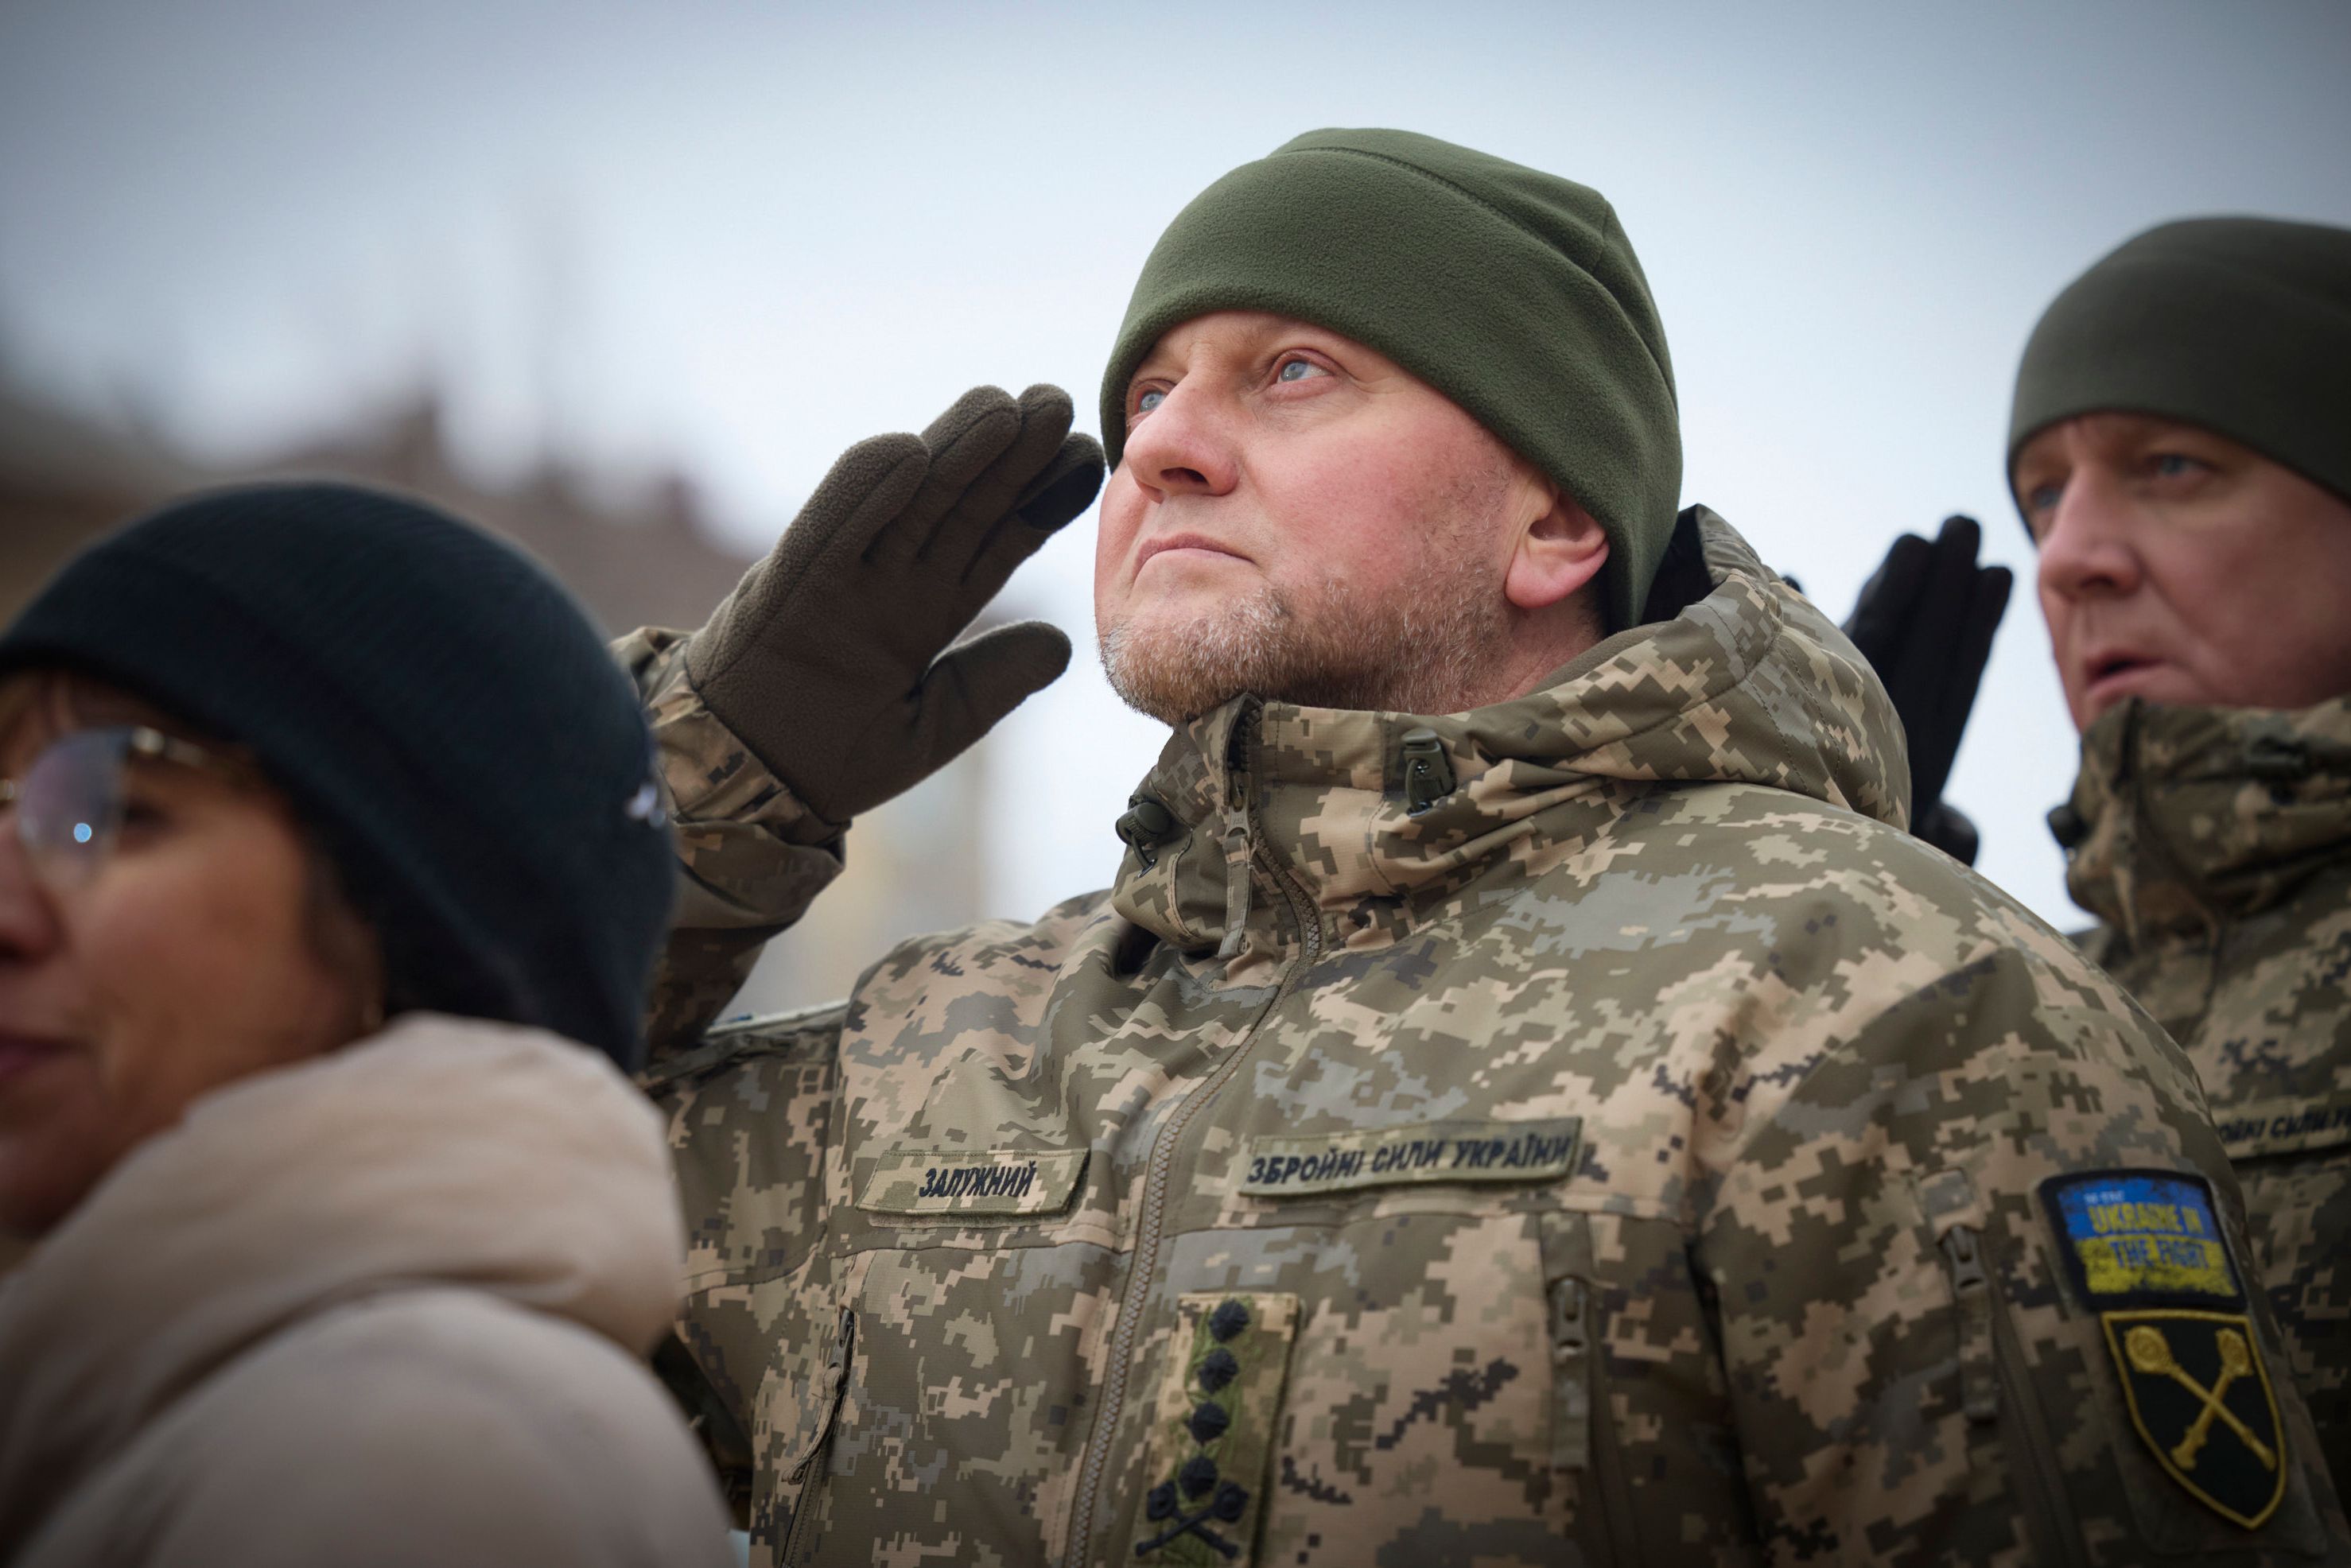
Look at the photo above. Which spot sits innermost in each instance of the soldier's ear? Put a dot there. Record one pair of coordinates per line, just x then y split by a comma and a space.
1561, 546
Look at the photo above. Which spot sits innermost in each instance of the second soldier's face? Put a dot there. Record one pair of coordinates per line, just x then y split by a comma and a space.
2181, 566
1298, 517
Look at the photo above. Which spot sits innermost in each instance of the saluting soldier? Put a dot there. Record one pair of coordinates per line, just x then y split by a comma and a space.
1523, 1099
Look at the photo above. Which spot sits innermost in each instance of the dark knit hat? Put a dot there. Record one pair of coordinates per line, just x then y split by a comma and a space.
442, 713
1514, 292
2239, 325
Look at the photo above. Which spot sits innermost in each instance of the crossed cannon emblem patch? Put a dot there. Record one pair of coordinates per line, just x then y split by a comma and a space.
2200, 1397
2150, 1351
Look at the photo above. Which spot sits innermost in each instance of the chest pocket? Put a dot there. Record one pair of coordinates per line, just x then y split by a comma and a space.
1478, 1369
1588, 1463
1642, 1436
1414, 1413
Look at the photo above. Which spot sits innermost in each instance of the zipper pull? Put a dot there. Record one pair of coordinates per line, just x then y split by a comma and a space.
1237, 877
844, 1344
1572, 1390
1240, 765
1971, 1288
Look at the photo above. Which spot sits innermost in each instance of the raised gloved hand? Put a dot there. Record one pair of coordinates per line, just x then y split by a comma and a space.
1924, 620
826, 660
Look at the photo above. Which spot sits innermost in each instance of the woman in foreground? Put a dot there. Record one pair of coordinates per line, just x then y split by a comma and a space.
331, 870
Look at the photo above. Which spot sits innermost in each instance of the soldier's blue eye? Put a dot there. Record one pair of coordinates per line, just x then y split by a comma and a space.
1298, 371
1150, 400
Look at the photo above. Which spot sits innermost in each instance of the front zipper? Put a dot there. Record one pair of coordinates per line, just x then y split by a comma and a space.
1163, 1158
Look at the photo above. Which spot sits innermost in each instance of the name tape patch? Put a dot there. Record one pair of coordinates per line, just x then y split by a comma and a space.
2141, 1237
993, 1181
2284, 1128
1428, 1152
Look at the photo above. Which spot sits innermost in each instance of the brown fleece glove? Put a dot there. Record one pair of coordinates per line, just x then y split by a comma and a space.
826, 661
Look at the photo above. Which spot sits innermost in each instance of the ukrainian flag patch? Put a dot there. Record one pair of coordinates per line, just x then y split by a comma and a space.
2147, 1253
2141, 1237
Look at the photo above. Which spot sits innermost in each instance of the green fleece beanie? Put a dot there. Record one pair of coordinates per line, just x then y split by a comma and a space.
2239, 325
1514, 292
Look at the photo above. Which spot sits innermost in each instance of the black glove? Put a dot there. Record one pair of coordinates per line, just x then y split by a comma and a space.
826, 661
1925, 620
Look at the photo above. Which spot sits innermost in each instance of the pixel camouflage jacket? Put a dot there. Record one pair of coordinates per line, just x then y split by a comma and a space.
1584, 1129
2216, 845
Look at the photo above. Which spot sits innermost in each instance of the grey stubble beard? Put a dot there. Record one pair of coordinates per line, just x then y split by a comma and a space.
1431, 650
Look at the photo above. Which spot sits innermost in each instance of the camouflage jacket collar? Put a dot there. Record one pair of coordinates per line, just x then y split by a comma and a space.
2186, 816
1366, 813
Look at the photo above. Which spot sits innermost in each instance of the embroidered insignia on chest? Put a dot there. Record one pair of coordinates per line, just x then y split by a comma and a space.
1213, 1427
2147, 1253
1428, 1152
1000, 1181
2290, 1126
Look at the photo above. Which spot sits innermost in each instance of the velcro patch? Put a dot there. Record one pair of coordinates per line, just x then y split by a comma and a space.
2198, 1393
2141, 1237
1213, 1428
1428, 1152
994, 1181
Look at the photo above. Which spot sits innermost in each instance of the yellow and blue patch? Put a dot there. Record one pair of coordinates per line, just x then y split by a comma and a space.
2146, 1252
2141, 1237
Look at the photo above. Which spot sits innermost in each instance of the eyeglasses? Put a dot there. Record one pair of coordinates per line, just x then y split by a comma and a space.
69, 803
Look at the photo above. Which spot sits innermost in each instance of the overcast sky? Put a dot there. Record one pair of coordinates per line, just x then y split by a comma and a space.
739, 238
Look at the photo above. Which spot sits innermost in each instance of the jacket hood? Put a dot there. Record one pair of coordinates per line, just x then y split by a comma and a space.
2185, 816
441, 1152
1748, 684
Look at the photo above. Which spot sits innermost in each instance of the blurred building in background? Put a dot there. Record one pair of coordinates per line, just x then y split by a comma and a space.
645, 558
64, 479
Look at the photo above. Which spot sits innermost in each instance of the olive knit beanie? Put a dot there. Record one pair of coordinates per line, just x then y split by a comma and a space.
2239, 325
1514, 292
444, 718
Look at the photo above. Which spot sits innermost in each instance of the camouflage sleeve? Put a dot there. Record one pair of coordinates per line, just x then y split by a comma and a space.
749, 1111
2304, 1202
752, 856
1922, 1367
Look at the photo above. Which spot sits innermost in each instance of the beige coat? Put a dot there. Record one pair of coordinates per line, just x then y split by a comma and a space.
384, 1308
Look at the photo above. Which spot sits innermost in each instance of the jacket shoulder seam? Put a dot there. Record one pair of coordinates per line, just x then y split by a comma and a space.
747, 1038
